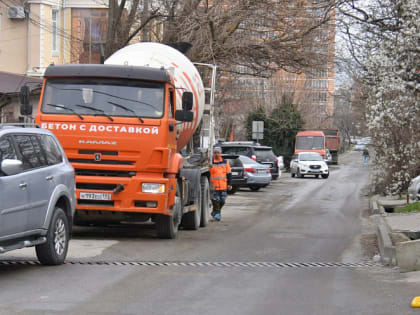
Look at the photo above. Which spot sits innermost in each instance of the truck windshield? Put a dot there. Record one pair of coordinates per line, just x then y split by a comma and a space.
309, 143
310, 157
111, 97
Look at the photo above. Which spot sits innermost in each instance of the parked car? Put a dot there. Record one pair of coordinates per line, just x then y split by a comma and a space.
365, 140
414, 188
259, 153
257, 175
247, 173
237, 170
37, 193
308, 163
359, 147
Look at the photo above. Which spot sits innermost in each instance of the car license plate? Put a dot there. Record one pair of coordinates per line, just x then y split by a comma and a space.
95, 196
235, 173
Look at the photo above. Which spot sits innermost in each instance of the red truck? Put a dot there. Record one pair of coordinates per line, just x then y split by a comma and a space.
332, 143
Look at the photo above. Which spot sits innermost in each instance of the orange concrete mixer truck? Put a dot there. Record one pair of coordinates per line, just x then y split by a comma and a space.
123, 126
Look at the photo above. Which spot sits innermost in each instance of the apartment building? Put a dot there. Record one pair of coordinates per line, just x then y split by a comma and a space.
312, 90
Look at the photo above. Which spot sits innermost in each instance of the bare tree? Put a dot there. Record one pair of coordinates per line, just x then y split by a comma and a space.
256, 37
125, 20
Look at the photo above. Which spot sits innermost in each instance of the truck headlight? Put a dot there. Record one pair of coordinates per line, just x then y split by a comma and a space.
153, 188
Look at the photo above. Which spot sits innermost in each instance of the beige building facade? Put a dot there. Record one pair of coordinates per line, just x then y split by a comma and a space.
37, 33
34, 35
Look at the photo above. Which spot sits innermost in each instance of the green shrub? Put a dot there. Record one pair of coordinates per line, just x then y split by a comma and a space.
412, 207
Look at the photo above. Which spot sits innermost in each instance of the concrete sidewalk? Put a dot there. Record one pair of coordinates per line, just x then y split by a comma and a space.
398, 234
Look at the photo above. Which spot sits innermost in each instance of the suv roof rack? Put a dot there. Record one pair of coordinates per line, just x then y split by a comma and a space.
23, 125
240, 142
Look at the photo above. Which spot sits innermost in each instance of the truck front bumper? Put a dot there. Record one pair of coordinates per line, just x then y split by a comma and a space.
124, 194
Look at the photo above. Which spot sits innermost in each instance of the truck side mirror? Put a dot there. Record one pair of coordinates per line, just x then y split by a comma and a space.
25, 106
182, 115
187, 101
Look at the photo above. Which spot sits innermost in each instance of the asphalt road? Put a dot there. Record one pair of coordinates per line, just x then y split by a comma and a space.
294, 247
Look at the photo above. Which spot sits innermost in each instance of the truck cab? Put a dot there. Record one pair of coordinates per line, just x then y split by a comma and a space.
311, 141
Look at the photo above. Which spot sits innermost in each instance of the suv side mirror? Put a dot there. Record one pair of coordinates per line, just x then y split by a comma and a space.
11, 167
25, 107
187, 101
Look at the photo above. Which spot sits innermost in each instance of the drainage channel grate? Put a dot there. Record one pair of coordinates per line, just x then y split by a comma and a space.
234, 264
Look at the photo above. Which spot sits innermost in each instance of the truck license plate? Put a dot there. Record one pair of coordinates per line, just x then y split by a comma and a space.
95, 196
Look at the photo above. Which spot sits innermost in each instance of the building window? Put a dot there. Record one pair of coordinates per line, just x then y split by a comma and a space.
317, 73
322, 73
320, 97
319, 84
55, 23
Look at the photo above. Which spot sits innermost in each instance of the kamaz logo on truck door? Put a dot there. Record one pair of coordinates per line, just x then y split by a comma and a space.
98, 142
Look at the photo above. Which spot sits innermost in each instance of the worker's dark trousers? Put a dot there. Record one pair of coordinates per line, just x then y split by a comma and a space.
219, 198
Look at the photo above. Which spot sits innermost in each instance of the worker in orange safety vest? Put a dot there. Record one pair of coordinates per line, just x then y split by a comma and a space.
221, 181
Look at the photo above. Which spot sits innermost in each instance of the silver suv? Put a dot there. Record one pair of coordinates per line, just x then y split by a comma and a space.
37, 193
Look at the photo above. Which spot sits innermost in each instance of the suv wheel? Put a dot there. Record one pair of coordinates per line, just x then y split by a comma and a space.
54, 251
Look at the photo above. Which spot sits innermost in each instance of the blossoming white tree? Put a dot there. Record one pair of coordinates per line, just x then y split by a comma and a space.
392, 71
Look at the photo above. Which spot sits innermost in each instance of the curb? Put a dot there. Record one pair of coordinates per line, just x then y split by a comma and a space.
387, 250
404, 254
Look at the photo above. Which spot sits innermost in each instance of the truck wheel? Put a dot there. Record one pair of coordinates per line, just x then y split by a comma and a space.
192, 219
205, 201
254, 188
54, 250
167, 225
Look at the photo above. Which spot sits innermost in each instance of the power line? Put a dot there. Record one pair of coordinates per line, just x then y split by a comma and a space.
36, 20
